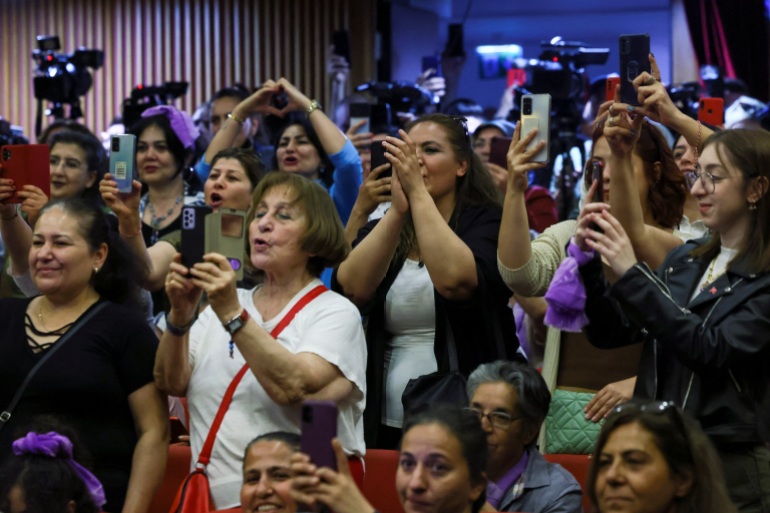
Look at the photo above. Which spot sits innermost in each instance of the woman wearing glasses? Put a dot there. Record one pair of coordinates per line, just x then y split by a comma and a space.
652, 458
703, 314
426, 267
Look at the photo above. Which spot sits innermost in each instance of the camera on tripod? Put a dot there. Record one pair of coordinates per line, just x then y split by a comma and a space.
62, 78
558, 70
145, 96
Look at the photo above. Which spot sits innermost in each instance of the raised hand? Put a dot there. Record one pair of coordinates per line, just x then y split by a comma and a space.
402, 154
519, 158
613, 244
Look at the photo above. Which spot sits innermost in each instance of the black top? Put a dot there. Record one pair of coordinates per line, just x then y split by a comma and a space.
473, 320
710, 354
86, 384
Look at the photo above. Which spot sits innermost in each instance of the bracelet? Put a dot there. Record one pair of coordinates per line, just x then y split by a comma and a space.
132, 234
179, 331
236, 119
697, 143
14, 216
312, 107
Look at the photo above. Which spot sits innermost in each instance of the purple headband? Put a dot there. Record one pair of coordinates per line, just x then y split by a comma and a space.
55, 445
181, 123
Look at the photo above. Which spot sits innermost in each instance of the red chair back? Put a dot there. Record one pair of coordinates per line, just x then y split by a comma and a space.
577, 465
177, 469
380, 480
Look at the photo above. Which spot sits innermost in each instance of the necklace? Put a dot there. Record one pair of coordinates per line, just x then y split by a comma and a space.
155, 221
43, 325
710, 277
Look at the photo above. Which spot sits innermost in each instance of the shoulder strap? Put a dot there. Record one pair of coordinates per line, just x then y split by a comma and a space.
208, 445
6, 414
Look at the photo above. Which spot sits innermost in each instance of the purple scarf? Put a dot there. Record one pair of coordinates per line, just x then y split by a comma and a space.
55, 445
566, 296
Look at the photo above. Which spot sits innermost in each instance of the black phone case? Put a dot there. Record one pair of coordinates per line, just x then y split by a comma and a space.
634, 59
193, 234
378, 159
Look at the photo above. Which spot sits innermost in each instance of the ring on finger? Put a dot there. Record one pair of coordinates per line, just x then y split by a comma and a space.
611, 121
650, 81
612, 112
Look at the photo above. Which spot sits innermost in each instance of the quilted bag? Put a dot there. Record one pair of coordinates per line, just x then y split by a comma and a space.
567, 431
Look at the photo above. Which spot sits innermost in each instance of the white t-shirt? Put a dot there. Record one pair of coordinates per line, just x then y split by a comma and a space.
410, 317
329, 326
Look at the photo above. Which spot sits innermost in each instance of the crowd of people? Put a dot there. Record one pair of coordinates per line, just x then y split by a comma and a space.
361, 281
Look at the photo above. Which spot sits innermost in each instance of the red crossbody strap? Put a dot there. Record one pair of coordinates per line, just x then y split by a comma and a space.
208, 445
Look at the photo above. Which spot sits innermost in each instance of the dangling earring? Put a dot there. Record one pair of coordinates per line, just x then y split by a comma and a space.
752, 205
96, 270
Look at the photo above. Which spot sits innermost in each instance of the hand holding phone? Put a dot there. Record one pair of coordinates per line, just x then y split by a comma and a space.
361, 112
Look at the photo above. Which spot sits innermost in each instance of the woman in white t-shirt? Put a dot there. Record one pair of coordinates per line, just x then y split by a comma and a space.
321, 354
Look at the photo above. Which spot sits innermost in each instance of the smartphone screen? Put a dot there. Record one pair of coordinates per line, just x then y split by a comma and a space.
634, 59
498, 153
358, 113
319, 427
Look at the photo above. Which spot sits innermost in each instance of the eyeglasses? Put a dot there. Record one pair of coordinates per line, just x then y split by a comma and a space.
498, 419
707, 180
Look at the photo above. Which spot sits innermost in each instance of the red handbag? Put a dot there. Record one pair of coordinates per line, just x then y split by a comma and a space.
194, 495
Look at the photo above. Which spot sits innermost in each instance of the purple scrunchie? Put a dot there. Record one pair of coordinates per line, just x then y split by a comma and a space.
181, 123
566, 296
55, 445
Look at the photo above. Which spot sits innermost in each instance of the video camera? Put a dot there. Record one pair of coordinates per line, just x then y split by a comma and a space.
145, 96
11, 134
558, 71
63, 78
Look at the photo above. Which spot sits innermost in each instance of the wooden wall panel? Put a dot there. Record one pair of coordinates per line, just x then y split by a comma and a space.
209, 43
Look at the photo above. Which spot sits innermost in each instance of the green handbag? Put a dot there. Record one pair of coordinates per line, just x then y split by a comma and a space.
566, 429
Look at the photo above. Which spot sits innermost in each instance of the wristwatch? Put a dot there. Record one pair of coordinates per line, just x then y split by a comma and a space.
237, 322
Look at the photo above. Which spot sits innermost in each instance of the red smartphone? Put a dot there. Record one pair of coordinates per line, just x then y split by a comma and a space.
26, 164
612, 84
319, 427
712, 111
498, 152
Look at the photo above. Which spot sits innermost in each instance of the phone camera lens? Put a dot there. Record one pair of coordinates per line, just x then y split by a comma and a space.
115, 144
307, 415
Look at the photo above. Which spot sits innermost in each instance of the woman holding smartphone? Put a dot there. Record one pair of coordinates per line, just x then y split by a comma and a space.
702, 315
427, 267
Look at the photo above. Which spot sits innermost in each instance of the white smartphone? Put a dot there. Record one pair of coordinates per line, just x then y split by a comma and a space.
536, 114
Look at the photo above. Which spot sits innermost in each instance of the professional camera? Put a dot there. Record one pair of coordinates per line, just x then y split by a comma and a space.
11, 134
63, 78
145, 96
686, 96
558, 71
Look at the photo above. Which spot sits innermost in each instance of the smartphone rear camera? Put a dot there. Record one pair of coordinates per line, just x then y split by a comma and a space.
115, 144
307, 415
6, 154
526, 106
625, 45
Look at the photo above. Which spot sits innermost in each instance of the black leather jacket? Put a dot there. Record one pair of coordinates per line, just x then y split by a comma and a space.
711, 355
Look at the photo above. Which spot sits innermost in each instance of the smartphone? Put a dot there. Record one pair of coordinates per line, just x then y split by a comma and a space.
432, 62
712, 111
319, 427
122, 158
225, 235
612, 84
597, 176
536, 114
26, 164
634, 59
378, 158
498, 153
359, 112
193, 245
379, 118
341, 42
454, 45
